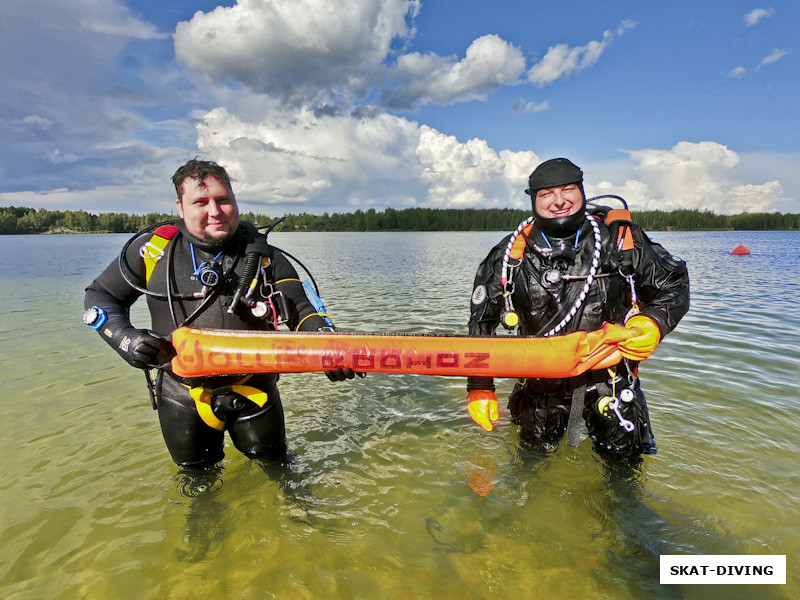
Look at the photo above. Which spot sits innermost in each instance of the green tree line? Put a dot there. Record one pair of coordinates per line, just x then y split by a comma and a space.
28, 220
18, 220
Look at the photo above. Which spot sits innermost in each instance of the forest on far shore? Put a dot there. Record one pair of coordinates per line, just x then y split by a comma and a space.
19, 220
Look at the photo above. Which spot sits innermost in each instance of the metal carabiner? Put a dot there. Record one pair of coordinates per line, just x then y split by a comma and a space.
624, 423
632, 285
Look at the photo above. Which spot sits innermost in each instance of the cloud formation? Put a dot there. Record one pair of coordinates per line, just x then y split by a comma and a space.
309, 104
307, 70
101, 16
489, 64
471, 174
774, 56
304, 124
295, 162
689, 175
737, 72
67, 116
754, 16
520, 106
303, 50
332, 51
379, 161
770, 58
562, 60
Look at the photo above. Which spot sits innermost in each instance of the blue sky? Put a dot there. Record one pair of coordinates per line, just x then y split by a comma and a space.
336, 105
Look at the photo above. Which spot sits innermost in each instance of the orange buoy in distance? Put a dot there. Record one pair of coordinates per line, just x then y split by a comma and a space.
740, 250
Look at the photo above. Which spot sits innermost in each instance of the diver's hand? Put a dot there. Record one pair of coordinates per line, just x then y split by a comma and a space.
642, 345
142, 348
342, 374
482, 406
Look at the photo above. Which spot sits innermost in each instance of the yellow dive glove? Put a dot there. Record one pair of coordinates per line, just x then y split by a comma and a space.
482, 405
640, 346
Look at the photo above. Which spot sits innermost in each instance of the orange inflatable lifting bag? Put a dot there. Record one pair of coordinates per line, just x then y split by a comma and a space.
203, 352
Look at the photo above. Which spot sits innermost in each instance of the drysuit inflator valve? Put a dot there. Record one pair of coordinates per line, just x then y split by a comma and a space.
95, 317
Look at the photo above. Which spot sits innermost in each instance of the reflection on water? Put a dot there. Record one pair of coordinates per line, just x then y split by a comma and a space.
390, 490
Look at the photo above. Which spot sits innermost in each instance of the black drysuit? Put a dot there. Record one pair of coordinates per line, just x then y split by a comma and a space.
542, 406
257, 431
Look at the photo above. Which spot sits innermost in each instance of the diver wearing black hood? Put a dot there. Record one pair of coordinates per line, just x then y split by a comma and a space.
558, 172
573, 266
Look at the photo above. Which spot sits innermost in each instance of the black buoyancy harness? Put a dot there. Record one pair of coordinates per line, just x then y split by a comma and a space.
257, 268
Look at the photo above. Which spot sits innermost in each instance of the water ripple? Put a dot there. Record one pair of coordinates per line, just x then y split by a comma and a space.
389, 480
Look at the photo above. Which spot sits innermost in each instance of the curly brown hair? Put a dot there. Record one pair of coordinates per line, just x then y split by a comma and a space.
200, 170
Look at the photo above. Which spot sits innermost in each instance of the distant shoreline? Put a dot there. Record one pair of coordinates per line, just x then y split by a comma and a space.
24, 221
64, 231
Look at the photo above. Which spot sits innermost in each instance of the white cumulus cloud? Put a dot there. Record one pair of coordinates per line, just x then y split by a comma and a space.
299, 161
562, 60
292, 97
471, 174
303, 158
293, 48
695, 175
489, 64
335, 52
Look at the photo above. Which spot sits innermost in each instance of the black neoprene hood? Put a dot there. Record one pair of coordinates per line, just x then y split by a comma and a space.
553, 173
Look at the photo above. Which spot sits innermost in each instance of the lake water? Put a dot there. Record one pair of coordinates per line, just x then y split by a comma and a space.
393, 492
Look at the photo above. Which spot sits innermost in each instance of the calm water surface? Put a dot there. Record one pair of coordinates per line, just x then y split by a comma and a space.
393, 492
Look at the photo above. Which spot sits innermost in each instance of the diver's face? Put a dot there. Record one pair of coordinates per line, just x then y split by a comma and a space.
208, 208
559, 201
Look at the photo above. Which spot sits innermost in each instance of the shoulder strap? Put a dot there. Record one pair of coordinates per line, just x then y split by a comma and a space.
518, 247
153, 249
622, 218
